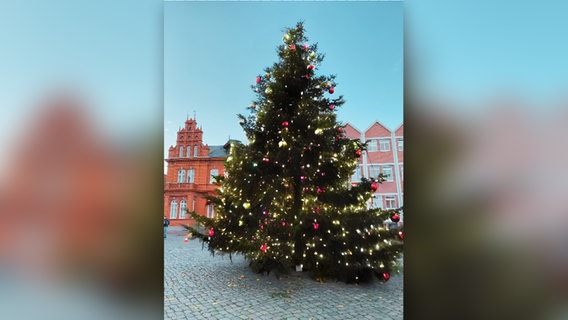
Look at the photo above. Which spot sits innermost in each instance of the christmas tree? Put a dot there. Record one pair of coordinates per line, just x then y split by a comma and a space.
286, 201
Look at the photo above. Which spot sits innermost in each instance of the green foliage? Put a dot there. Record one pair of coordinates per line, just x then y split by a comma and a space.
287, 200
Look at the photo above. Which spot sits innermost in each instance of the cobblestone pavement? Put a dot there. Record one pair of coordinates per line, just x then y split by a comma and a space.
200, 286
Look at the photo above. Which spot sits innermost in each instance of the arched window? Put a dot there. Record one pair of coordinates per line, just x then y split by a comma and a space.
195, 151
173, 209
190, 175
214, 172
182, 209
181, 151
181, 176
188, 151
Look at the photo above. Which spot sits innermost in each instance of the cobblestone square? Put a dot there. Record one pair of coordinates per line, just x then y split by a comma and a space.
200, 286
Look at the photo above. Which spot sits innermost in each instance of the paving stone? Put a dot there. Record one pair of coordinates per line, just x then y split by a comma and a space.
200, 286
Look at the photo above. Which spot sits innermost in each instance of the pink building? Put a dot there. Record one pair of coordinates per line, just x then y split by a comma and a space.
385, 154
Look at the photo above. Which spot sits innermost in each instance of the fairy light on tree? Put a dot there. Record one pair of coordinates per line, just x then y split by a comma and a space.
286, 201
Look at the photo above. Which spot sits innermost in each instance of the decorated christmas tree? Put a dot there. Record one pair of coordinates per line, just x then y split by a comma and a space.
286, 201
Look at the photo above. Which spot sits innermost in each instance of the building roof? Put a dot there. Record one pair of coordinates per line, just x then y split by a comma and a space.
217, 152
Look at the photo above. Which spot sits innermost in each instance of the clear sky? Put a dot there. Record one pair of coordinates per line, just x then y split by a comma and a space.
471, 50
213, 52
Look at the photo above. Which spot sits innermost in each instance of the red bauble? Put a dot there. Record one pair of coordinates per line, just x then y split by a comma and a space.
317, 210
292, 47
211, 232
320, 190
395, 218
285, 124
374, 186
316, 225
306, 47
265, 159
283, 223
340, 130
310, 67
263, 248
257, 79
331, 90
358, 153
332, 107
386, 276
401, 235
307, 76
185, 240
336, 137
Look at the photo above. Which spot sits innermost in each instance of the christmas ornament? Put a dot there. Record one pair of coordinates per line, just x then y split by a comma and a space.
263, 248
302, 177
310, 67
282, 144
185, 240
265, 159
332, 107
286, 37
401, 235
268, 75
374, 186
246, 205
331, 90
358, 153
386, 276
268, 90
257, 79
312, 55
285, 124
336, 138
252, 106
340, 130
211, 232
283, 223
307, 76
292, 47
320, 190
395, 218
317, 210
306, 47
318, 131
242, 121
316, 225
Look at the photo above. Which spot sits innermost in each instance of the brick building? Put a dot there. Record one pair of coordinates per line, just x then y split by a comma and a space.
191, 166
385, 154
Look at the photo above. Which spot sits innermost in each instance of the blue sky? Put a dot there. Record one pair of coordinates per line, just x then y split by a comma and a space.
213, 52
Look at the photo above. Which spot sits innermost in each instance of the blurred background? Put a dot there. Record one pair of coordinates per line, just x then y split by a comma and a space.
81, 170
80, 167
486, 190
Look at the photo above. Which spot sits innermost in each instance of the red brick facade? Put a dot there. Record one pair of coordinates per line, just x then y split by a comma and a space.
190, 164
190, 167
385, 154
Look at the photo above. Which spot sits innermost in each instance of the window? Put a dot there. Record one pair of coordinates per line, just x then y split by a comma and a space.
195, 151
214, 172
390, 202
372, 145
400, 144
181, 151
188, 151
190, 175
387, 173
385, 145
356, 176
374, 171
401, 172
182, 209
193, 205
181, 176
210, 211
173, 209
376, 201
